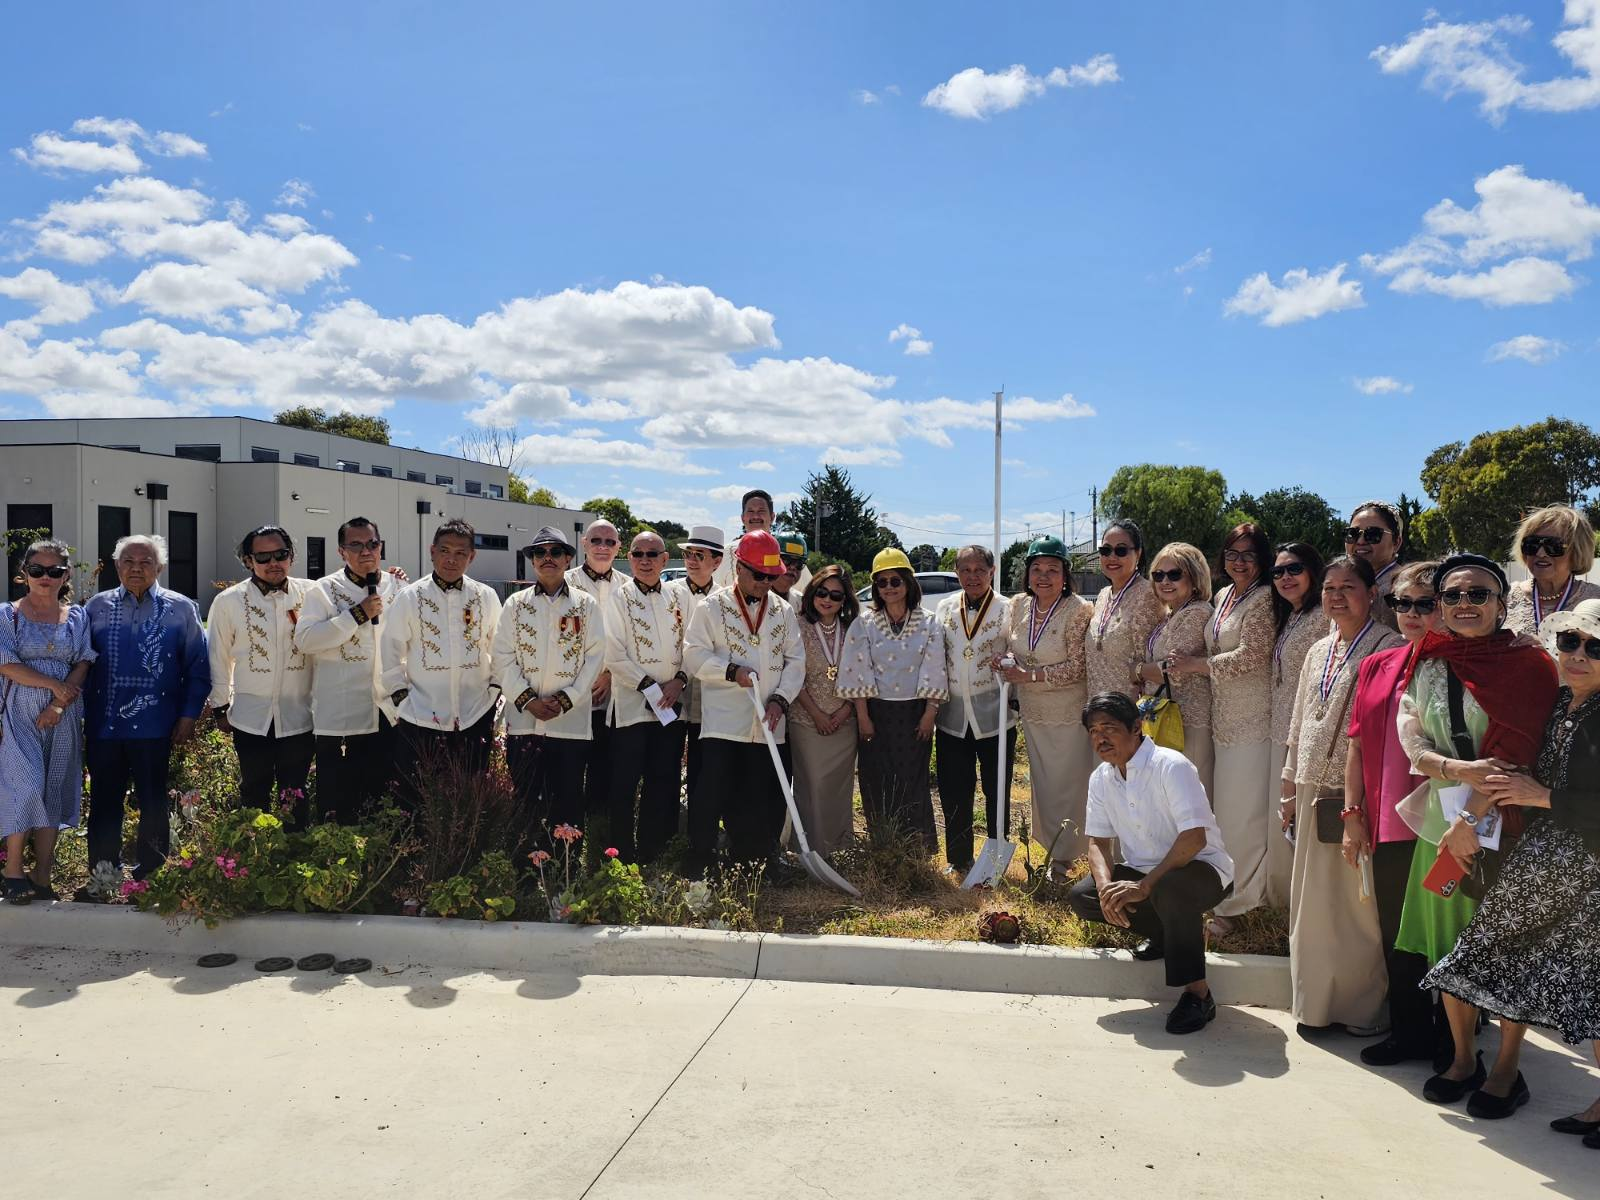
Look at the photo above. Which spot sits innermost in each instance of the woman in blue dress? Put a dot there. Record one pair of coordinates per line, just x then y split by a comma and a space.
44, 660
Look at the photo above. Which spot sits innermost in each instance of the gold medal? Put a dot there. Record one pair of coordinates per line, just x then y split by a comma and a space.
833, 673
968, 653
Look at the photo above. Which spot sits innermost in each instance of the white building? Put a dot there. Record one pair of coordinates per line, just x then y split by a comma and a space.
204, 482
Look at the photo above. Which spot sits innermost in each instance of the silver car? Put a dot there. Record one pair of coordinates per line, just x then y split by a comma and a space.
935, 585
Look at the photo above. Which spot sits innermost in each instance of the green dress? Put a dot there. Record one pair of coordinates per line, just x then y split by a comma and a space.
1430, 923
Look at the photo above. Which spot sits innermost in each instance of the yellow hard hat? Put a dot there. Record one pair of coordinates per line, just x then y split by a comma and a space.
889, 560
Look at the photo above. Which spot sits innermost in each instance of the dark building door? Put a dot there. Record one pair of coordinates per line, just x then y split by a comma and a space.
23, 524
183, 553
316, 557
114, 525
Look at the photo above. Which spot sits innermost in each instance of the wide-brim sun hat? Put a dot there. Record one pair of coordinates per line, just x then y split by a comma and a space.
707, 537
1583, 617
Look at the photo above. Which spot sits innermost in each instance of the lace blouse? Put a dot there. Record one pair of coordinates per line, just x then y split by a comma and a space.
1240, 647
1057, 699
1118, 632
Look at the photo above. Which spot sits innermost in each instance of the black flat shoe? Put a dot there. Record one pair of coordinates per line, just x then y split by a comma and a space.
1592, 1140
1192, 1013
1496, 1108
1149, 951
1391, 1053
1574, 1125
1447, 1091
18, 891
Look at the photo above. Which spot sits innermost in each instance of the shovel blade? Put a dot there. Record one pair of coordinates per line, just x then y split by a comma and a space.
817, 867
990, 866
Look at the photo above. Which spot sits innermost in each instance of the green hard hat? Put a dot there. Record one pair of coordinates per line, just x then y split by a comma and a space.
791, 545
1046, 547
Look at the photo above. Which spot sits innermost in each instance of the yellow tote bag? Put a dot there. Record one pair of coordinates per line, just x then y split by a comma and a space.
1160, 718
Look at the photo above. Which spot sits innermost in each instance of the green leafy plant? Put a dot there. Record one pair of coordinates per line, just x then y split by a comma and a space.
488, 892
614, 895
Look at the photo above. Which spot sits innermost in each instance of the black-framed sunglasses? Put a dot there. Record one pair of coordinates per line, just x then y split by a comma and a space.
1568, 641
1400, 604
1121, 551
769, 576
830, 594
271, 556
646, 553
793, 564
889, 583
1476, 596
1554, 547
35, 571
1371, 535
548, 551
358, 547
1294, 568
1238, 556
1174, 575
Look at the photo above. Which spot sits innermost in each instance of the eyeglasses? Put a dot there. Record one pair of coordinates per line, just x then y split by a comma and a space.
35, 571
1568, 641
697, 556
1121, 551
1239, 556
794, 564
646, 553
594, 541
1422, 607
889, 582
769, 576
271, 556
358, 547
548, 551
1175, 574
1477, 597
1371, 535
830, 594
1554, 547
1296, 569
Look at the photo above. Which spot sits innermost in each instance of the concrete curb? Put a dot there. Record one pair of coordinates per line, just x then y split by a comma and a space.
517, 946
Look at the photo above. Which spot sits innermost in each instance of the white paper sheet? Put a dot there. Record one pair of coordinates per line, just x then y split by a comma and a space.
1453, 799
665, 713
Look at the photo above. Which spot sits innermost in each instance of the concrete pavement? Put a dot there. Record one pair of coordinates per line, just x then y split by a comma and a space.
145, 1074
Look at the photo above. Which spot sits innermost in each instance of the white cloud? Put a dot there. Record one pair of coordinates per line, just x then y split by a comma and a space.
556, 448
1475, 58
758, 464
865, 97
52, 152
1197, 263
55, 301
861, 456
1301, 296
1529, 347
975, 94
368, 218
916, 345
295, 193
1381, 385
1517, 219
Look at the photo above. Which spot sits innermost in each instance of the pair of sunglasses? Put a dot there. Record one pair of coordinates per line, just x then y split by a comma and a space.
357, 547
1401, 605
272, 556
830, 594
1371, 535
769, 576
1477, 596
548, 551
889, 583
1239, 556
646, 553
1120, 551
1295, 568
602, 541
35, 571
699, 555
1174, 575
1569, 640
1554, 547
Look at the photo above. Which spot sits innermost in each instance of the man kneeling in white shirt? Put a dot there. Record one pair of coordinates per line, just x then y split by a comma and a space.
1174, 869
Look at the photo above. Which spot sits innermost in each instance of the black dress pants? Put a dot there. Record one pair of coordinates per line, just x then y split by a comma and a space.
353, 773
547, 780
427, 750
265, 760
114, 763
737, 787
1411, 1009
597, 767
646, 759
691, 771
1172, 917
955, 760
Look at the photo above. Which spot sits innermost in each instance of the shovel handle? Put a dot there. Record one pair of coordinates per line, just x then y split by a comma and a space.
777, 765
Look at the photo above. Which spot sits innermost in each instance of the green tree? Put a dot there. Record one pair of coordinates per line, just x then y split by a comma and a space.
947, 560
1170, 504
368, 429
670, 531
517, 489
1416, 547
852, 531
1292, 514
541, 496
1481, 489
1011, 567
924, 557
617, 512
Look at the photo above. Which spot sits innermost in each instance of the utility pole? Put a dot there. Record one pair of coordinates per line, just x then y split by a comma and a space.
1071, 539
1094, 513
819, 508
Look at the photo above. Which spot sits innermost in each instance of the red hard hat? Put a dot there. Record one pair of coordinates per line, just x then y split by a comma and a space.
759, 551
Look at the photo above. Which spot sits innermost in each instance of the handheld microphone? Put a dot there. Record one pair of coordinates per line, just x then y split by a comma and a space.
372, 588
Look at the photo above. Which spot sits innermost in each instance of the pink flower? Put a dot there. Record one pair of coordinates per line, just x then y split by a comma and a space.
566, 833
611, 851
539, 857
133, 887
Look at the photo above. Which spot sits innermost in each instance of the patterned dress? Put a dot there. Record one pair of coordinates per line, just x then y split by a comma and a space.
1118, 633
1524, 617
1184, 633
824, 764
1531, 954
41, 770
1239, 640
1302, 629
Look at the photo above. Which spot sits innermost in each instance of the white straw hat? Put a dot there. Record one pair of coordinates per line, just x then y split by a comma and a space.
1583, 617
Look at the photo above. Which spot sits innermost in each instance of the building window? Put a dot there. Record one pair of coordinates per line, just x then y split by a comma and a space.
115, 524
491, 541
135, 449
496, 492
203, 453
474, 488
263, 454
316, 557
416, 477
383, 472
344, 464
307, 460
445, 481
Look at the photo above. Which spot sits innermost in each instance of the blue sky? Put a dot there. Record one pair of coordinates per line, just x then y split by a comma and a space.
674, 242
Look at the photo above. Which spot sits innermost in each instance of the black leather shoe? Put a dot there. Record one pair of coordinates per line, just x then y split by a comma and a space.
1447, 1091
1592, 1140
1495, 1108
1149, 951
1574, 1125
1192, 1013
1391, 1052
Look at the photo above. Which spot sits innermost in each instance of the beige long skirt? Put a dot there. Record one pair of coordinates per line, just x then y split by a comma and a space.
1241, 774
1280, 854
1059, 765
1335, 945
824, 784
1199, 749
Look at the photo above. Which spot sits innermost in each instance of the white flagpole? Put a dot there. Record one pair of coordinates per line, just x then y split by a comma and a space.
998, 548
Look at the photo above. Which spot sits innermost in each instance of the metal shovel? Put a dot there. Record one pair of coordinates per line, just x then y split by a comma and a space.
996, 853
816, 866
